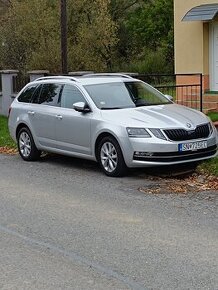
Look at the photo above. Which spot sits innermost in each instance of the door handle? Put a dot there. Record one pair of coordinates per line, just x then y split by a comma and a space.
31, 112
59, 117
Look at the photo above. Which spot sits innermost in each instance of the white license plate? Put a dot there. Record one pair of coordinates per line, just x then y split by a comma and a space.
192, 146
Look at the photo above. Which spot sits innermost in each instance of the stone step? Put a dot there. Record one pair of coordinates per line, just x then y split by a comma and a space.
196, 97
210, 98
207, 106
197, 103
197, 100
210, 105
208, 110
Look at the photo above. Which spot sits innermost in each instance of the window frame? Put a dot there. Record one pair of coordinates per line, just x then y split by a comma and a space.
87, 103
24, 90
57, 104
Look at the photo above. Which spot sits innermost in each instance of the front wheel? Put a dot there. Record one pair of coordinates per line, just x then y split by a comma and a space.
26, 145
110, 157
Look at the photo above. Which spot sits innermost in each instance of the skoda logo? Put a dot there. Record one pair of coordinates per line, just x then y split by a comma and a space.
188, 125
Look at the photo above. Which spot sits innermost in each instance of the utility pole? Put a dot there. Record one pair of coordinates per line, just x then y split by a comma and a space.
63, 21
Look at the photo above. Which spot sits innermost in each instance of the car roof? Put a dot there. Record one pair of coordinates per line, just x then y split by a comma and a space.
87, 79
103, 80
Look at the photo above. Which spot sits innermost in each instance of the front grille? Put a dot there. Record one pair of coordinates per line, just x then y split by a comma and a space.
178, 156
201, 131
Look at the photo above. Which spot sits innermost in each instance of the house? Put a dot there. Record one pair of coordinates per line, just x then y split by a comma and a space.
196, 46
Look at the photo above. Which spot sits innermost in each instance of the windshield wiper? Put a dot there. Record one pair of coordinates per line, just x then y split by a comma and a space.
110, 108
152, 104
141, 105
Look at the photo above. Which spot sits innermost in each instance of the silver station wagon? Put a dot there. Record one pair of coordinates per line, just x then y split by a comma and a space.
114, 119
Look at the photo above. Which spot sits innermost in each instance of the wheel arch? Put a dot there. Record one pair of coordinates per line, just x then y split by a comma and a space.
20, 126
100, 137
120, 168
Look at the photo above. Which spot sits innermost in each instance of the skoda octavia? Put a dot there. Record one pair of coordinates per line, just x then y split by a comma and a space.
114, 119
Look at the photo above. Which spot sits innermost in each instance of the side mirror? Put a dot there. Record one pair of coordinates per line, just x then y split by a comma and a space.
169, 97
81, 107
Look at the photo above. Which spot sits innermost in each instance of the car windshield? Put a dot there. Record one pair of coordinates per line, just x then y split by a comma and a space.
120, 95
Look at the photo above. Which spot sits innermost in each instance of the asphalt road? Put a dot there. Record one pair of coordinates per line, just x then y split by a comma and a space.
64, 225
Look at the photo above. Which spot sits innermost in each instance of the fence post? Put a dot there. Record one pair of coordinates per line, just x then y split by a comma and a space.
7, 89
201, 92
35, 74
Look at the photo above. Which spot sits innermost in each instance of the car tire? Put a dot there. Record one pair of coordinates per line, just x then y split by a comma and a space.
26, 145
110, 157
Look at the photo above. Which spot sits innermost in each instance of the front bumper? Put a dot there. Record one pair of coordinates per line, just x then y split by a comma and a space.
159, 152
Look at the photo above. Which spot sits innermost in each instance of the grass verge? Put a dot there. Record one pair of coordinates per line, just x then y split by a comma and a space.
213, 116
5, 138
209, 167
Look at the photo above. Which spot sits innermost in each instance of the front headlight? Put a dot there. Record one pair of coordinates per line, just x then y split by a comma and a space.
138, 133
157, 133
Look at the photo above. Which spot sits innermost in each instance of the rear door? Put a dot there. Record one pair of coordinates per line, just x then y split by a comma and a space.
45, 106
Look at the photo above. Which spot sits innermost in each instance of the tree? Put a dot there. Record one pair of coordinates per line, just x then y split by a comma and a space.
151, 29
30, 34
92, 35
119, 9
103, 35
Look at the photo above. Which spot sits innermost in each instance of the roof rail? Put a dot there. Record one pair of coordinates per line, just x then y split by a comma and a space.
107, 75
57, 78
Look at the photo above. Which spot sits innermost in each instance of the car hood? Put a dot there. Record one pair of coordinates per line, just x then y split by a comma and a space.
158, 116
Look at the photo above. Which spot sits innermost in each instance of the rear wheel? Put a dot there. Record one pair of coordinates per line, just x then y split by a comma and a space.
26, 145
110, 157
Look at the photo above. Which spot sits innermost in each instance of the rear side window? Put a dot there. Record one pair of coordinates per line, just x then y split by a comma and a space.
26, 95
47, 94
36, 94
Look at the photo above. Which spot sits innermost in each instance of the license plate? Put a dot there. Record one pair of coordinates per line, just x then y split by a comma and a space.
192, 146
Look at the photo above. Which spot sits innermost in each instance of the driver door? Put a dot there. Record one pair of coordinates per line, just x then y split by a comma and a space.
73, 128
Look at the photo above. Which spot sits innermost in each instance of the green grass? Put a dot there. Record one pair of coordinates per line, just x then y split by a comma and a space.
213, 116
210, 166
5, 139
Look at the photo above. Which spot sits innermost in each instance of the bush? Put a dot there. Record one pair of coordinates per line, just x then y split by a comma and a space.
151, 62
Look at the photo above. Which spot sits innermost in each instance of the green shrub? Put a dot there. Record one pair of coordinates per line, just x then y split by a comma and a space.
150, 62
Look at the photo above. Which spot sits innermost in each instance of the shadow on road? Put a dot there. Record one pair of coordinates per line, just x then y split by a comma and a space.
161, 171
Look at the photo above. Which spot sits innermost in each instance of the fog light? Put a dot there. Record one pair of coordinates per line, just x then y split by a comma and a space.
142, 154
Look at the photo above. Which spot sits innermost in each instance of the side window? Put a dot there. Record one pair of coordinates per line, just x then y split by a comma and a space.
26, 95
35, 97
49, 94
71, 95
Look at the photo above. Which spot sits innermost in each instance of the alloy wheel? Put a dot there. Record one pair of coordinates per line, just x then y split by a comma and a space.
25, 144
109, 158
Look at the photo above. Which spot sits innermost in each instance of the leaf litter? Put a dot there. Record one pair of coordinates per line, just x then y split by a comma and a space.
8, 150
183, 185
